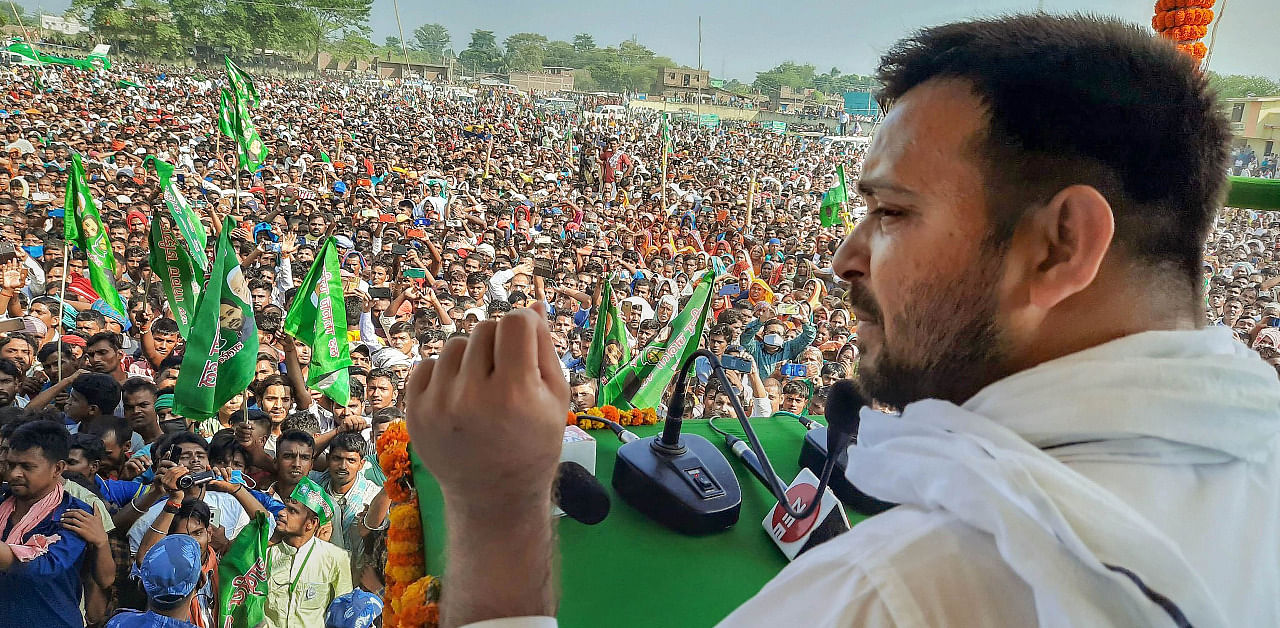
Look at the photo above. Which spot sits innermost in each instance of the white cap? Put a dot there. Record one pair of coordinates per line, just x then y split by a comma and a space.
476, 312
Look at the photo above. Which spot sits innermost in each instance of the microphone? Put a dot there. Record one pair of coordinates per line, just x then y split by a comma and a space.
793, 536
579, 494
679, 480
844, 402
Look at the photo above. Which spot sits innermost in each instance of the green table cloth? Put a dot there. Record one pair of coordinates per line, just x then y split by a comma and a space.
630, 571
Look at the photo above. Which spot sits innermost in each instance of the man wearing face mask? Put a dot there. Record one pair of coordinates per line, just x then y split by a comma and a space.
773, 348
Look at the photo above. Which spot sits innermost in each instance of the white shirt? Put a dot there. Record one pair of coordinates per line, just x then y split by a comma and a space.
1156, 453
227, 512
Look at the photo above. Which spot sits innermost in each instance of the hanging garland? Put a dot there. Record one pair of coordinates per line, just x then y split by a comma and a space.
1185, 22
412, 596
634, 416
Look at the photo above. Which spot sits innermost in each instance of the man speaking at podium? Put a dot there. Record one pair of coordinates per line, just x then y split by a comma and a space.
1072, 446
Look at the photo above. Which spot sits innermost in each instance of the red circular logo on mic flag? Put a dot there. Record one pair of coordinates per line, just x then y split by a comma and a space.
799, 497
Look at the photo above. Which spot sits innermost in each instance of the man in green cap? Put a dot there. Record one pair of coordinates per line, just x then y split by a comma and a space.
304, 573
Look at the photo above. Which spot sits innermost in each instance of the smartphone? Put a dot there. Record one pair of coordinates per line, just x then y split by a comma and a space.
1273, 321
730, 290
542, 268
380, 293
788, 309
734, 363
388, 218
542, 240
415, 273
421, 222
7, 253
453, 224
399, 249
792, 369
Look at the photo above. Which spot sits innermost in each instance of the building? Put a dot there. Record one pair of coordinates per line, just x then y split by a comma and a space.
684, 84
64, 25
550, 79
1255, 122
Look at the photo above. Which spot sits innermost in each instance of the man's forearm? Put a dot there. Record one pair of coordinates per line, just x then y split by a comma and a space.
484, 557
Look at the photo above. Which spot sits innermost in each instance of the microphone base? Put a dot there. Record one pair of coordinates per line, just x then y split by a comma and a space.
692, 492
813, 455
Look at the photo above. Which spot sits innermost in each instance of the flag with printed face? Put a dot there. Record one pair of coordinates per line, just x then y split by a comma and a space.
609, 331
830, 212
181, 279
184, 217
223, 345
641, 382
241, 83
318, 317
82, 226
242, 577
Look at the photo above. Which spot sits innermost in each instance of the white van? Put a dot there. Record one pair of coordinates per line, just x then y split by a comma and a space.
609, 112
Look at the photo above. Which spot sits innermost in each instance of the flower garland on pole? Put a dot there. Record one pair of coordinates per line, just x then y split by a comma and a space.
412, 596
1185, 22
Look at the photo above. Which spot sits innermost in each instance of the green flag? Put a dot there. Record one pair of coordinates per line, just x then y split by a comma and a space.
123, 83
227, 114
609, 328
641, 382
172, 262
830, 212
184, 217
31, 53
325, 157
318, 317
223, 345
82, 226
241, 83
242, 577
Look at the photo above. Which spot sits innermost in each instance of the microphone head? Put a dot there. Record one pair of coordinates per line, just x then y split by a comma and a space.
844, 402
580, 495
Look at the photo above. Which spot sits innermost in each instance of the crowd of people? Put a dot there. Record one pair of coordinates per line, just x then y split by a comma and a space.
443, 209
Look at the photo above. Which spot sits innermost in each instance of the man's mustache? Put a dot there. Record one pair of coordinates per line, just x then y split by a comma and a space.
860, 299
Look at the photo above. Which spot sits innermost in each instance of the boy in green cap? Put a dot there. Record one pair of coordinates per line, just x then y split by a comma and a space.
304, 573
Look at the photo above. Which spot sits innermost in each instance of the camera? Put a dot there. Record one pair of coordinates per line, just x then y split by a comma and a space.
196, 479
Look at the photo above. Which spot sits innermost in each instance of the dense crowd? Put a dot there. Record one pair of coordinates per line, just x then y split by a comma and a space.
448, 210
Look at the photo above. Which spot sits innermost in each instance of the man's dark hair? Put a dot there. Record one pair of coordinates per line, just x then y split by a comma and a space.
165, 326
52, 439
296, 436
386, 415
171, 441
357, 389
302, 421
192, 508
92, 316
388, 374
135, 384
400, 327
113, 425
722, 330
1060, 93
795, 387
349, 441
9, 367
110, 337
99, 389
91, 444
54, 347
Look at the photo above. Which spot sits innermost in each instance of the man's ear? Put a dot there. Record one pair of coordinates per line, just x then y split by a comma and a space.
1069, 238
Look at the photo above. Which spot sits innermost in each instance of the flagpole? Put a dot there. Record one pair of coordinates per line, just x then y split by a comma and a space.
62, 297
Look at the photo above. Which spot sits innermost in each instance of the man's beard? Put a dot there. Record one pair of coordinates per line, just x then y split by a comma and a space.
945, 344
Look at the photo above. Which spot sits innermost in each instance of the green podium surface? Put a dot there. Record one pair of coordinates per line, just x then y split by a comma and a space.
630, 571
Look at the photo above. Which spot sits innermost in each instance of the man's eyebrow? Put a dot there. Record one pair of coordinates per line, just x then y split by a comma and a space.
869, 187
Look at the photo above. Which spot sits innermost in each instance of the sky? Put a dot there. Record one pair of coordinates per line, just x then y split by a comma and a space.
742, 37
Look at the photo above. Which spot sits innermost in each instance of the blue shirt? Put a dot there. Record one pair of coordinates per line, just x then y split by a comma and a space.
46, 590
149, 619
117, 493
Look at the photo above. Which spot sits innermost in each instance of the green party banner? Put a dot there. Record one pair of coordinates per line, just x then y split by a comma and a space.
242, 577
184, 217
609, 329
223, 345
318, 317
82, 226
640, 383
172, 262
241, 83
830, 212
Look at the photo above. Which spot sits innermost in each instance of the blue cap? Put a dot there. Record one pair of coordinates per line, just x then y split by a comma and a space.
774, 241
357, 609
170, 571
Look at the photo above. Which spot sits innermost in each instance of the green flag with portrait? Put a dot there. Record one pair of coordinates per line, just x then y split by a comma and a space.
318, 317
609, 329
830, 212
180, 278
223, 345
82, 226
184, 217
241, 83
242, 576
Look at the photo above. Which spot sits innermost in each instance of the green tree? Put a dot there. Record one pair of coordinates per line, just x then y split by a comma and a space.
788, 73
391, 42
561, 53
354, 44
1242, 86
432, 39
584, 43
329, 18
525, 51
482, 53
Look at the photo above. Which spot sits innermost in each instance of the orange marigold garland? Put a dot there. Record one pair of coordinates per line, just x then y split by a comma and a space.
1184, 22
412, 596
626, 418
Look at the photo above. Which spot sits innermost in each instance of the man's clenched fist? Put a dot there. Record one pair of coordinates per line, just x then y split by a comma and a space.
487, 417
